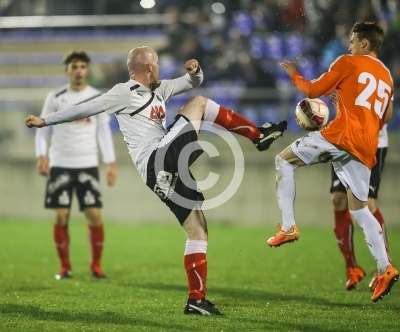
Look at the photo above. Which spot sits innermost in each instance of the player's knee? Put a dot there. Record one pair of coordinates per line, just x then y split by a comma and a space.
339, 201
62, 218
93, 216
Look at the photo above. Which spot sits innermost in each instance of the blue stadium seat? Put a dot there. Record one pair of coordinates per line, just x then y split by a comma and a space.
168, 67
257, 45
243, 21
293, 44
274, 45
308, 67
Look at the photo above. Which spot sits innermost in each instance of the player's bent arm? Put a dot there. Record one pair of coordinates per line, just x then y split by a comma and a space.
72, 113
389, 112
324, 85
187, 82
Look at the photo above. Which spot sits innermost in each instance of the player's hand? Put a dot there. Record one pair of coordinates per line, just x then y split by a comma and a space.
111, 174
290, 67
192, 66
333, 97
34, 121
43, 166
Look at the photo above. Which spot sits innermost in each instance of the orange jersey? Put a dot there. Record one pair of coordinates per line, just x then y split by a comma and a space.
364, 88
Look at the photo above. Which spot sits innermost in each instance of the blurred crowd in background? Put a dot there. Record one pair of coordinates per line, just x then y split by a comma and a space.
239, 43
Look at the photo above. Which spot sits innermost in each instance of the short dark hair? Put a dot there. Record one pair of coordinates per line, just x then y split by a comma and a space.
74, 56
370, 31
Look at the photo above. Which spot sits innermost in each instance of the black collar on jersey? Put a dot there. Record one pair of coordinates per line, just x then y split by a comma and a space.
145, 105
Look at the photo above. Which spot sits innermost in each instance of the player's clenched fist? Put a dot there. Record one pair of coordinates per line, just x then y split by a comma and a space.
34, 121
192, 66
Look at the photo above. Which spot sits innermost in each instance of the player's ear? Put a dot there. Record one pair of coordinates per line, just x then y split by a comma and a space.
149, 68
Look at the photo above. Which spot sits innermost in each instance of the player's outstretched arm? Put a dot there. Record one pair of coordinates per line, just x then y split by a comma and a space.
68, 114
34, 121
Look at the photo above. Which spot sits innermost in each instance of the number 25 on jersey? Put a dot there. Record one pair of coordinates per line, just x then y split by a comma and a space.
377, 88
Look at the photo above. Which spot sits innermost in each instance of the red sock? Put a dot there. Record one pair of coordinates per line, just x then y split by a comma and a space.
196, 271
344, 236
379, 217
96, 239
236, 123
61, 239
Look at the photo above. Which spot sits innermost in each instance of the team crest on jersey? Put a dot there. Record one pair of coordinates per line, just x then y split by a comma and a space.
159, 98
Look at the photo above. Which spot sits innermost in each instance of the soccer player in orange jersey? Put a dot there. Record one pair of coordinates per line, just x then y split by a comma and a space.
364, 89
343, 223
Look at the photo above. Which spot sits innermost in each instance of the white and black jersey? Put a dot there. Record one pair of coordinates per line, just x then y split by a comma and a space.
74, 144
141, 113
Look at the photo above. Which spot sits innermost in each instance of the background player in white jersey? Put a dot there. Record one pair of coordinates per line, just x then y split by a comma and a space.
343, 222
163, 156
73, 162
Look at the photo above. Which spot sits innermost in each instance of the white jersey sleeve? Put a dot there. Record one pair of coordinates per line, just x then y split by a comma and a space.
41, 138
115, 100
48, 106
42, 134
169, 88
105, 140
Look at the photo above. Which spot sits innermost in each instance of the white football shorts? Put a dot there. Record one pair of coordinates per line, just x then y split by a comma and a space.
313, 148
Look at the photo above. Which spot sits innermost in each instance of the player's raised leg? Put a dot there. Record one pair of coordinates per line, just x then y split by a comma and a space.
201, 108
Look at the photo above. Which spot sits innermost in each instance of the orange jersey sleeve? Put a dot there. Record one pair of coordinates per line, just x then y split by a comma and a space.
364, 88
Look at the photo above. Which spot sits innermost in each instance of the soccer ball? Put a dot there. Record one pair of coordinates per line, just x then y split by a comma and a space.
311, 114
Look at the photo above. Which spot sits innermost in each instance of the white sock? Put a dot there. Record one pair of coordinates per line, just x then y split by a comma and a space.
211, 111
285, 191
373, 236
195, 246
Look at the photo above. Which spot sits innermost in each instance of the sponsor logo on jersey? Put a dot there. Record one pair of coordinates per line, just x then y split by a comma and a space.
159, 98
157, 113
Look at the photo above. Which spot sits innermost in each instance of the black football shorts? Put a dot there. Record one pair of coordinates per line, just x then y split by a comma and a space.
168, 173
62, 182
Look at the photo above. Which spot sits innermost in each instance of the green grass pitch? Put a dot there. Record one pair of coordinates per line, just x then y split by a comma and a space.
297, 287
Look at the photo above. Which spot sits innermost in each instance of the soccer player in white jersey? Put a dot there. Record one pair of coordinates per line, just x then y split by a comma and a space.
343, 223
163, 155
73, 162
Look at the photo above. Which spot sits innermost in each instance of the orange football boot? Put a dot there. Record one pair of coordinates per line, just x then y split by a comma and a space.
354, 276
284, 237
385, 282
